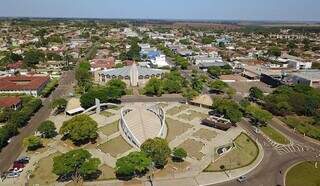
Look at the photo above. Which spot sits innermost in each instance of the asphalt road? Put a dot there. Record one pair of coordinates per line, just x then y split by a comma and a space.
268, 172
11, 152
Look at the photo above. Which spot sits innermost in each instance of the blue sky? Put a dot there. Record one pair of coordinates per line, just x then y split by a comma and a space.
298, 10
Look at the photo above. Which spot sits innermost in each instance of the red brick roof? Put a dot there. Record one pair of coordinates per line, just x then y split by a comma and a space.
9, 101
103, 63
15, 65
22, 82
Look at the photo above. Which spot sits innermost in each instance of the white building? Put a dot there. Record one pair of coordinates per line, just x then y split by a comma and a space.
160, 61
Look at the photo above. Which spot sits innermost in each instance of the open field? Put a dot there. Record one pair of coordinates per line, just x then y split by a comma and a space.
110, 129
172, 167
205, 134
177, 109
191, 115
193, 148
243, 154
42, 175
303, 174
176, 128
107, 173
115, 146
274, 135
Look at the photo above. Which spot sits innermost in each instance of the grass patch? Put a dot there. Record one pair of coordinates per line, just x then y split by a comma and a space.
193, 148
110, 129
172, 167
177, 109
115, 146
303, 174
107, 173
107, 113
42, 175
191, 115
205, 134
274, 135
50, 87
175, 128
304, 125
243, 154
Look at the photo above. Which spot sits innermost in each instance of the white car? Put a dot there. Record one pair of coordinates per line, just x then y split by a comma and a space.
13, 175
16, 170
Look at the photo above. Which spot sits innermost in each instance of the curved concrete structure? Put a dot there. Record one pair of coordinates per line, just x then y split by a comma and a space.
139, 123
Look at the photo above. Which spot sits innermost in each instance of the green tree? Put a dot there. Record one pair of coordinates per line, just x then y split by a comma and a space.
158, 150
60, 104
259, 115
32, 142
80, 129
83, 75
219, 85
47, 129
33, 57
229, 108
274, 51
154, 87
134, 163
179, 154
255, 93
105, 94
76, 165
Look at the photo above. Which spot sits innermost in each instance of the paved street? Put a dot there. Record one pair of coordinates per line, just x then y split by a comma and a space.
11, 152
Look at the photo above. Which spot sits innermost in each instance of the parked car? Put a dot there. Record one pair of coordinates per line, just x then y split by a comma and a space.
23, 159
242, 179
13, 175
17, 170
17, 165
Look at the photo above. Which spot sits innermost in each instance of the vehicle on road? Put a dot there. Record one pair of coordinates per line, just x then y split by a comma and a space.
23, 159
242, 179
16, 170
18, 165
13, 175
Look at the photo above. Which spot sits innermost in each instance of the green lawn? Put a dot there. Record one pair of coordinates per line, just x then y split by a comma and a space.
243, 154
110, 129
191, 115
274, 135
175, 128
115, 146
303, 174
107, 173
177, 109
42, 175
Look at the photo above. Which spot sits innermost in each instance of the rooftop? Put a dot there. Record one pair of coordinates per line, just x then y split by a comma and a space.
309, 74
22, 82
9, 101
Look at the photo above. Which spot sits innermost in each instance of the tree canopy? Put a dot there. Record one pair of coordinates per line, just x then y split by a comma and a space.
33, 57
229, 108
47, 129
132, 164
179, 154
76, 164
80, 129
32, 142
158, 150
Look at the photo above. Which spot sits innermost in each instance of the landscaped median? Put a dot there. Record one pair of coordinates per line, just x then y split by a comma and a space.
243, 154
274, 135
304, 173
